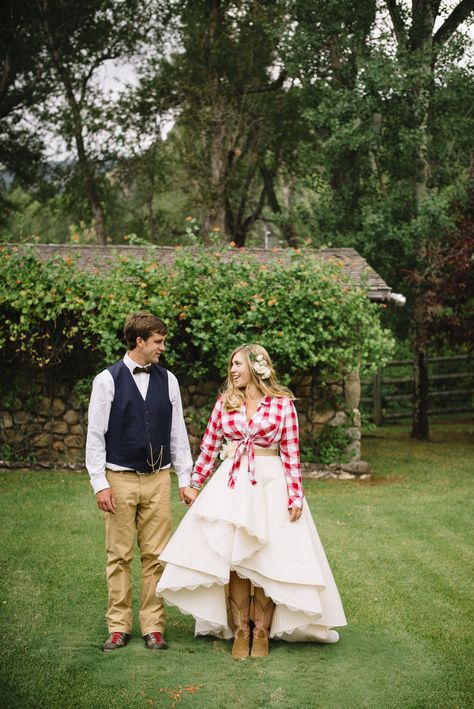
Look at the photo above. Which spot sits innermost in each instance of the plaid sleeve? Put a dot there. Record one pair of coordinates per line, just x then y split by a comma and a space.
210, 445
290, 456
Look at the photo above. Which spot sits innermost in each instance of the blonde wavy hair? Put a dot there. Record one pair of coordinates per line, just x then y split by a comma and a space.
234, 397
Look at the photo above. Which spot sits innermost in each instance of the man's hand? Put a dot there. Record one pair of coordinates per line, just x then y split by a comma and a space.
188, 495
105, 500
295, 513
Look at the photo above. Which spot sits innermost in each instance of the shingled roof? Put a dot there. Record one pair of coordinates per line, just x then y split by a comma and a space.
91, 257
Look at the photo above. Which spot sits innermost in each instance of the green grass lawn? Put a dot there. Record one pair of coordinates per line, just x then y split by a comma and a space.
401, 551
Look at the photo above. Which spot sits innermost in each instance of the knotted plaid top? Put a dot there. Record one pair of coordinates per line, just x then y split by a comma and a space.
275, 421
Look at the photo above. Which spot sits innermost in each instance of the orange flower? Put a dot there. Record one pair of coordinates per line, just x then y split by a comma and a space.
272, 301
126, 237
75, 237
68, 261
189, 219
233, 244
182, 315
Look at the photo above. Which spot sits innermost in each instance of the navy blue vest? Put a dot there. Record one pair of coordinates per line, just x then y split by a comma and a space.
138, 436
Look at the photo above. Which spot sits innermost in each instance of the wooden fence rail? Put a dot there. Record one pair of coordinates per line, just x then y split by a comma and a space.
460, 400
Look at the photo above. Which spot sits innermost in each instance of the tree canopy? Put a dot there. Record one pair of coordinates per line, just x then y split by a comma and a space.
331, 122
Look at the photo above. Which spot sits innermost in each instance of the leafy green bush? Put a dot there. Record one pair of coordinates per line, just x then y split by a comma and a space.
307, 315
329, 447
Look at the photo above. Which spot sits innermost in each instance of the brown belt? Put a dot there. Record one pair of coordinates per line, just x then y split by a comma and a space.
266, 451
135, 472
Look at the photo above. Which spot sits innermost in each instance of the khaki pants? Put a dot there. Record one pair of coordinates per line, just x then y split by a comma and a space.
143, 505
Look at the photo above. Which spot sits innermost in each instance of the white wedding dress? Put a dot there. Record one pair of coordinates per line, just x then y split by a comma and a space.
247, 529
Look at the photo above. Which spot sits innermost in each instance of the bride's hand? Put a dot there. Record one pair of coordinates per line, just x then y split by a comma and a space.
295, 513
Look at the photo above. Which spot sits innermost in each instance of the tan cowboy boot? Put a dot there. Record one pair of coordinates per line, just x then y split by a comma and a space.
240, 615
263, 619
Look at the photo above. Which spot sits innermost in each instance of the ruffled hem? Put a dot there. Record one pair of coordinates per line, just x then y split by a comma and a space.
253, 537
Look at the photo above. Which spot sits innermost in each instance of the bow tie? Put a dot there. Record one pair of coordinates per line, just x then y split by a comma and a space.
139, 370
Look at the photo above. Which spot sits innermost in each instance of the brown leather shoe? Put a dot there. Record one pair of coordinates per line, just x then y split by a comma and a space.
155, 641
115, 641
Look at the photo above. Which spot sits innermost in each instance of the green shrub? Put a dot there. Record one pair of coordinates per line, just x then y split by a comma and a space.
303, 311
329, 447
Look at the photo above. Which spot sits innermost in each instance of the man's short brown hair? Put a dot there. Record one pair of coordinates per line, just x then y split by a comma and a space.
142, 324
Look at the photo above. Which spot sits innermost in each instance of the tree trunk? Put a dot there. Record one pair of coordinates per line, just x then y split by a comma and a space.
215, 131
288, 230
421, 41
85, 165
216, 213
420, 427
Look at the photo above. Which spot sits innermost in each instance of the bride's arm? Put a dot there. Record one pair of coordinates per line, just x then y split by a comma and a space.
290, 456
210, 445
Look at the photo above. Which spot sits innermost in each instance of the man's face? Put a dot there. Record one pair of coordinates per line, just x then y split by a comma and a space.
151, 348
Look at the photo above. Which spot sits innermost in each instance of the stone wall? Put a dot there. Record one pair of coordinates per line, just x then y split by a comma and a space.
43, 421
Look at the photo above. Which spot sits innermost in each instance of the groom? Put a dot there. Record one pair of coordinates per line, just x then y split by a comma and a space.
136, 430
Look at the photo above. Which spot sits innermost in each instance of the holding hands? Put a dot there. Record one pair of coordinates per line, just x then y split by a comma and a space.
188, 494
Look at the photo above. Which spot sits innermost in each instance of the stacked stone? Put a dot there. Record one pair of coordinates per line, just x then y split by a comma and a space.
53, 433
53, 430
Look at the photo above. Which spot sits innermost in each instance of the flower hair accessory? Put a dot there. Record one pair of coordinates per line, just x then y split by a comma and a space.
259, 364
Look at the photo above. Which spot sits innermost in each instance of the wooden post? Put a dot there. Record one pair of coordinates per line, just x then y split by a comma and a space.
377, 398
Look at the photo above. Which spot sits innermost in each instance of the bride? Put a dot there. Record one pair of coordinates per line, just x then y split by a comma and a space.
250, 529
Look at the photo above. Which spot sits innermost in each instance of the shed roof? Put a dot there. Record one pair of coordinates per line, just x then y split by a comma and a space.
92, 256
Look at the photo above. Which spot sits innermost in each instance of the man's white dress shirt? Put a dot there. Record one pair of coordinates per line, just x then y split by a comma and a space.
103, 390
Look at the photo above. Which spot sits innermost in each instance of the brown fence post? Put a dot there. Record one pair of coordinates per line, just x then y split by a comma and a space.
377, 398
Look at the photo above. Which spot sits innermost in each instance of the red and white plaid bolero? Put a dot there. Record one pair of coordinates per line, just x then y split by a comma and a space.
275, 421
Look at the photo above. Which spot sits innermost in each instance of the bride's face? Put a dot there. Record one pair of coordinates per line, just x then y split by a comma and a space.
239, 371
